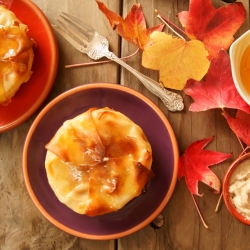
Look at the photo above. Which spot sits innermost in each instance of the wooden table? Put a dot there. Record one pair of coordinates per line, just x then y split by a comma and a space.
21, 224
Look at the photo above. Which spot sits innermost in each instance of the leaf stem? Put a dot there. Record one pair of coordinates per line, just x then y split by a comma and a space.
198, 210
100, 62
170, 24
241, 144
244, 149
218, 203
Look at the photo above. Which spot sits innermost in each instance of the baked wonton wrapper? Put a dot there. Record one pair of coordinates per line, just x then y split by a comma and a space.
16, 55
98, 161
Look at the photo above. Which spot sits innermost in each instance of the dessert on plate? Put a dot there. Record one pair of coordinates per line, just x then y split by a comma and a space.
98, 161
16, 54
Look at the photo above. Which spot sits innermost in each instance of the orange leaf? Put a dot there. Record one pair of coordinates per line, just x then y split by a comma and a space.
176, 59
193, 165
214, 27
133, 27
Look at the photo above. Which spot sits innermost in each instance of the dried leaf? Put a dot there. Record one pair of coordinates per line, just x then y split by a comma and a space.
240, 125
194, 163
214, 27
133, 28
176, 59
218, 90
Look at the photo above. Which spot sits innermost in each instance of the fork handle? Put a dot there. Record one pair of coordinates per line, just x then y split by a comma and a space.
171, 100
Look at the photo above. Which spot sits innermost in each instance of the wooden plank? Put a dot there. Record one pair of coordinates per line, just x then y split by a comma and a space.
183, 228
22, 225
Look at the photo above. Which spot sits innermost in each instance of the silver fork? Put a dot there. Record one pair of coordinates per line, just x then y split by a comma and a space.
85, 39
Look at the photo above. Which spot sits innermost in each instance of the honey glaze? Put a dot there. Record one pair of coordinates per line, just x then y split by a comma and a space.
245, 69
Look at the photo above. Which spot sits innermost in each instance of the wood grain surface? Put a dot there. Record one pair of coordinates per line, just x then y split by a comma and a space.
23, 227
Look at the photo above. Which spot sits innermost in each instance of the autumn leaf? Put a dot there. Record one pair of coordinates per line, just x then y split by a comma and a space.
193, 165
240, 125
218, 90
214, 27
133, 28
176, 59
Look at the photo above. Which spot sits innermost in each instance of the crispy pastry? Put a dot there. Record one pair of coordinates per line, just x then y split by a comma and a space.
16, 55
98, 161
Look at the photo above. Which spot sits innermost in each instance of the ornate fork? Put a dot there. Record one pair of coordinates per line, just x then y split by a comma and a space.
85, 39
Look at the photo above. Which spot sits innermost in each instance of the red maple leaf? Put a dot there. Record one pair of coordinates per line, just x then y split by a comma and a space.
214, 27
240, 125
193, 165
218, 91
133, 28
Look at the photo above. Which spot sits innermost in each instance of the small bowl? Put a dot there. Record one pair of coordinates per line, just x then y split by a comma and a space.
236, 165
139, 212
236, 52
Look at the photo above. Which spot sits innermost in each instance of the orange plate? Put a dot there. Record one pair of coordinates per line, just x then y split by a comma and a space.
140, 211
31, 94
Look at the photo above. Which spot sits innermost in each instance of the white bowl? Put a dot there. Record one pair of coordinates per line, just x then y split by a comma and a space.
236, 51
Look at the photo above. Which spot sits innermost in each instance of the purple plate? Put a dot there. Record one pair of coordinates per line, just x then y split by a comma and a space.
141, 210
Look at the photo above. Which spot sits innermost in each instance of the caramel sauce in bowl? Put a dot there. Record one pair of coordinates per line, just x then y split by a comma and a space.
240, 64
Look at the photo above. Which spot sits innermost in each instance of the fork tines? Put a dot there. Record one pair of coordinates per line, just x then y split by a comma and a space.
76, 26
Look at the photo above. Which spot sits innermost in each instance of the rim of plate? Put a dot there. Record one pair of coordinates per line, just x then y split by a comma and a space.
174, 144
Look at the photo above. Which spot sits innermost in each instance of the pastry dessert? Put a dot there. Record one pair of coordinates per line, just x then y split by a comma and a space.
16, 55
98, 161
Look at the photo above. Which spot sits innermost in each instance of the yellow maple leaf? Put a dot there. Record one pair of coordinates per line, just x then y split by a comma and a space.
176, 59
